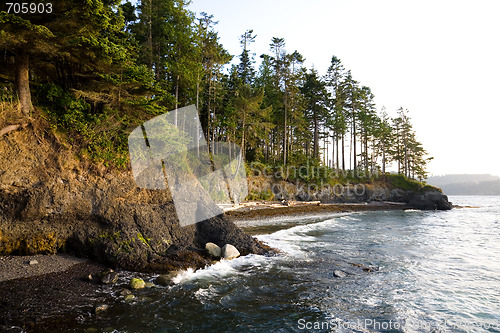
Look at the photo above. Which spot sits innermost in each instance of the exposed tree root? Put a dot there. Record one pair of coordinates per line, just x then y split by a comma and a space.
11, 128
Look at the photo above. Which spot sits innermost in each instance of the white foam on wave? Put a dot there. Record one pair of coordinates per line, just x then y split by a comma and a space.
222, 269
350, 217
293, 241
205, 294
283, 220
183, 275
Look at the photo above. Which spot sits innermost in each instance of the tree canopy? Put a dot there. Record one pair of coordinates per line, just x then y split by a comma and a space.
98, 68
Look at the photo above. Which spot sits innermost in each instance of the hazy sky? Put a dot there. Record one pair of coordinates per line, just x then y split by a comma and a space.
439, 59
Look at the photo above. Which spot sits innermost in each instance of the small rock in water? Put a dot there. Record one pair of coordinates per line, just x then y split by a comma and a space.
91, 330
129, 298
33, 262
149, 284
164, 280
105, 275
109, 278
230, 252
101, 308
125, 292
370, 268
339, 274
136, 283
213, 249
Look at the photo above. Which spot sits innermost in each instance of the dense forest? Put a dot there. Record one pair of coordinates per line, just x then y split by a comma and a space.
97, 69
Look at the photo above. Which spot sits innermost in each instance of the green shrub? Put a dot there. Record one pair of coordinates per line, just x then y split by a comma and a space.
101, 137
263, 195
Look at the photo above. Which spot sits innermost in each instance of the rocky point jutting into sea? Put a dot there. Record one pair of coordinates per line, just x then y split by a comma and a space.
51, 201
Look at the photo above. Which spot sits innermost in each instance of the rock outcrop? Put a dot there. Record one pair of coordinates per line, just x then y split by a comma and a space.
52, 202
430, 198
424, 198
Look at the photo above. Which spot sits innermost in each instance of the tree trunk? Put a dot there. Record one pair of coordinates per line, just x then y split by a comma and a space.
407, 171
343, 152
243, 150
366, 153
209, 123
23, 82
316, 137
354, 138
150, 35
336, 142
383, 159
176, 98
326, 158
198, 122
284, 137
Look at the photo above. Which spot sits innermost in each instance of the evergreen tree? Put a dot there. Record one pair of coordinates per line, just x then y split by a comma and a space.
266, 82
146, 59
213, 58
246, 71
69, 46
315, 96
352, 108
337, 121
253, 119
384, 138
368, 120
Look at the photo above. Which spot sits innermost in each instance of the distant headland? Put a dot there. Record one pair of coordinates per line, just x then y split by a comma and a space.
467, 184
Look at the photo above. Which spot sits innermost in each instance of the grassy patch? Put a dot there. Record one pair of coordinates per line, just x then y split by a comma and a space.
400, 181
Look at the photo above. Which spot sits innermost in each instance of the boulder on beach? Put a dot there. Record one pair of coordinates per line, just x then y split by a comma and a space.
230, 252
213, 250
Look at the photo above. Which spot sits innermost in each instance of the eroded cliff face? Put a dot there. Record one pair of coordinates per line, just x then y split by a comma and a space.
50, 201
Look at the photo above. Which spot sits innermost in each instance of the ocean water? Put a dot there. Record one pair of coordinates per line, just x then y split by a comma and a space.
405, 271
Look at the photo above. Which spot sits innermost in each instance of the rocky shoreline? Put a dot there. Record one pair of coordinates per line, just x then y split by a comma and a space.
55, 293
51, 302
